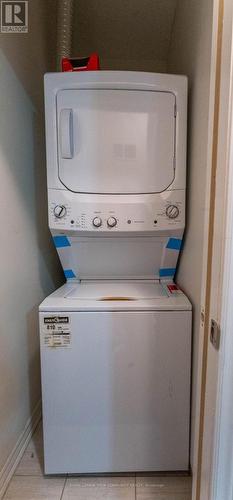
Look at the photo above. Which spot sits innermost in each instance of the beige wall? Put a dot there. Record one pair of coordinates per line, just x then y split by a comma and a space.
28, 265
190, 54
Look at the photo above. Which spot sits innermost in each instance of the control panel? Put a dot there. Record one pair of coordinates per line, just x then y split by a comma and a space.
116, 213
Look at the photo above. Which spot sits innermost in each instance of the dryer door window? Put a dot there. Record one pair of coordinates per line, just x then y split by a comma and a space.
116, 141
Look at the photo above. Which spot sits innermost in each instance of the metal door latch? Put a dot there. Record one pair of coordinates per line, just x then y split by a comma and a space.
215, 334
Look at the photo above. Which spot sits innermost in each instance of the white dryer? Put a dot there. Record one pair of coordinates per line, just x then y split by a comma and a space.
116, 338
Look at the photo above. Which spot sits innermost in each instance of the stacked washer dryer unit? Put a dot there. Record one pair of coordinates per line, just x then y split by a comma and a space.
116, 338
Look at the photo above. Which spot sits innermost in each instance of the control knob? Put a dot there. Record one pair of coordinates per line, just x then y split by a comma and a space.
97, 222
59, 211
112, 222
172, 211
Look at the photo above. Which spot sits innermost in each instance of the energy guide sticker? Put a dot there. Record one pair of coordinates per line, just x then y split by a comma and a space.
56, 331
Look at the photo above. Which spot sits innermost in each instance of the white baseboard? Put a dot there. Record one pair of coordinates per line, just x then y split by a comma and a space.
9, 468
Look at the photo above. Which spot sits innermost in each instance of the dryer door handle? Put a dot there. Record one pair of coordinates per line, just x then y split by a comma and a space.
66, 133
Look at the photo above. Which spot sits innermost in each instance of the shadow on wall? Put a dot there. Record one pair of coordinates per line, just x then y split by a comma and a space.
33, 356
23, 151
29, 265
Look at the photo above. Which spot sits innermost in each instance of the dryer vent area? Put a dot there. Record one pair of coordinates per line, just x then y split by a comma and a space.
128, 36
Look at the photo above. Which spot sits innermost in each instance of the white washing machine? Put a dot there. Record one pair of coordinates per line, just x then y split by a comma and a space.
116, 377
116, 338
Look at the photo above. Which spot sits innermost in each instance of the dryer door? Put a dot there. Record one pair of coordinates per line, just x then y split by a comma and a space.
116, 141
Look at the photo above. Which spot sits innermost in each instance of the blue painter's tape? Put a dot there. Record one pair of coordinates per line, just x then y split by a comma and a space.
174, 243
69, 273
167, 272
61, 241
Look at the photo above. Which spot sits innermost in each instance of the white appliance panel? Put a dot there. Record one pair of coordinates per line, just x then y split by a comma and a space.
117, 398
122, 81
116, 141
102, 258
133, 213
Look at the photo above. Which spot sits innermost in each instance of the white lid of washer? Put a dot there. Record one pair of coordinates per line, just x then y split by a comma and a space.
113, 296
111, 291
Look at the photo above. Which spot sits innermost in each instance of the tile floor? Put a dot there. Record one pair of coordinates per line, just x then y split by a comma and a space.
29, 483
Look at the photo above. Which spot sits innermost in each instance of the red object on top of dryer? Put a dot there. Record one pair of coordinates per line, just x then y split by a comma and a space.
90, 63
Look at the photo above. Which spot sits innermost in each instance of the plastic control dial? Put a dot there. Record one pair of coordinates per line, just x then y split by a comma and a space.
112, 222
97, 222
59, 211
172, 211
